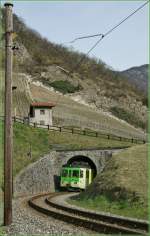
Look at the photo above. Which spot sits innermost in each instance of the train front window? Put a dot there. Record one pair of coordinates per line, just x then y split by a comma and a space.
64, 173
75, 173
81, 173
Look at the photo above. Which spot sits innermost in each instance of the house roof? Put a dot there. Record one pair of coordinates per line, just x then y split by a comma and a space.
42, 104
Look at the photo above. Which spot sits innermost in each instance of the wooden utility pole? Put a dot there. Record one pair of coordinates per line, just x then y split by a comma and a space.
8, 116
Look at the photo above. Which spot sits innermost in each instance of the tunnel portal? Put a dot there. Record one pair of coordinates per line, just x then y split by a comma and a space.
83, 161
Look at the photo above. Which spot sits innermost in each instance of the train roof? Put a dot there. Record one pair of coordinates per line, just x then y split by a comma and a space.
75, 167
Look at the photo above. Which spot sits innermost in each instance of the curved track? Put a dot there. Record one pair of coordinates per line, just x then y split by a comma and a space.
101, 223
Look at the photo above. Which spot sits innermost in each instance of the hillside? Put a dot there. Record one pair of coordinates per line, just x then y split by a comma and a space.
30, 144
122, 188
25, 151
67, 112
92, 82
138, 76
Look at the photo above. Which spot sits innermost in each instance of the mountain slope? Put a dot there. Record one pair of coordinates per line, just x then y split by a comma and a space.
92, 82
138, 76
67, 111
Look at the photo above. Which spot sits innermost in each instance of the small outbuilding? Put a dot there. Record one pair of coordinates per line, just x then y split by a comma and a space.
41, 113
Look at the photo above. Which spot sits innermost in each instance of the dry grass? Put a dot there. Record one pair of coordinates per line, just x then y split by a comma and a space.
74, 141
122, 188
81, 114
67, 111
126, 170
132, 169
42, 141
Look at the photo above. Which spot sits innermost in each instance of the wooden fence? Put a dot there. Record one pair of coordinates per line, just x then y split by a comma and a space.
73, 130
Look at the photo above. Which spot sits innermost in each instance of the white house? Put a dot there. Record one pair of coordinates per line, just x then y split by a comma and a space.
41, 113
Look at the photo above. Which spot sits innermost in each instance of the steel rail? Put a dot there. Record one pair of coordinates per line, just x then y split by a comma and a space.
96, 222
123, 221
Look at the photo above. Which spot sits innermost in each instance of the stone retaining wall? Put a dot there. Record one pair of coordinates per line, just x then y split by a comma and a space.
38, 177
43, 175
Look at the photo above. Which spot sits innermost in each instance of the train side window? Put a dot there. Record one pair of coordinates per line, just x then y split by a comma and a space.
87, 174
81, 173
75, 173
64, 173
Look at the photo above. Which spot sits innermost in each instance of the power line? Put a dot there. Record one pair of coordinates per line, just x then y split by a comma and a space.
84, 56
121, 22
104, 35
99, 40
85, 37
108, 32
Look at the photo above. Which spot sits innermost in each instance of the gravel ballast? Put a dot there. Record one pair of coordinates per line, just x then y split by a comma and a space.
27, 221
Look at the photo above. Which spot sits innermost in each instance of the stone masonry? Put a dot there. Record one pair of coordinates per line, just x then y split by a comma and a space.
44, 174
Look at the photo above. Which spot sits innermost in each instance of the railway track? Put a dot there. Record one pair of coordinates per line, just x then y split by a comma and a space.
101, 223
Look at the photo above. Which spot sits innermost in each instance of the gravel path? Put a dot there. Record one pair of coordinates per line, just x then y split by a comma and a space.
28, 221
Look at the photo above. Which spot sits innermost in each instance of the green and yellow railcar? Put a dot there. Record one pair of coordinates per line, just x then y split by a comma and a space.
76, 177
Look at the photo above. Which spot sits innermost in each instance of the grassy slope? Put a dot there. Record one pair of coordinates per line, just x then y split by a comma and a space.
21, 97
66, 109
69, 109
123, 186
42, 142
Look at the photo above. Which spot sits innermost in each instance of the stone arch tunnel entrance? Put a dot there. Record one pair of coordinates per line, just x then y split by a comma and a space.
83, 161
44, 174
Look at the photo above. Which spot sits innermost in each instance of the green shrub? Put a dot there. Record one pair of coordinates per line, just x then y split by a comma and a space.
64, 86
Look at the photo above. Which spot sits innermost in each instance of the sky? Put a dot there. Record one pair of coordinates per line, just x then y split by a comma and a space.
62, 21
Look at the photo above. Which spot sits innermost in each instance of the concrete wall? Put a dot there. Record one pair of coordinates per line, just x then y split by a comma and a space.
43, 175
47, 117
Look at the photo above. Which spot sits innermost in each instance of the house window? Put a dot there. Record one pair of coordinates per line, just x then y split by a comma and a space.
42, 112
42, 122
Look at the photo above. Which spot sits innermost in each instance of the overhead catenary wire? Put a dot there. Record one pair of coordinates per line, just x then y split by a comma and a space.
104, 35
126, 18
85, 37
84, 56
109, 31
